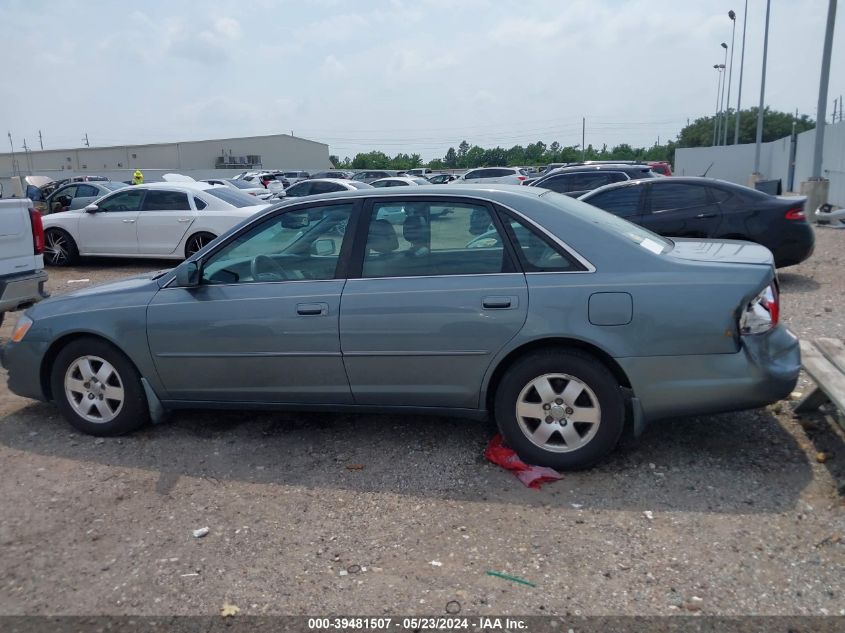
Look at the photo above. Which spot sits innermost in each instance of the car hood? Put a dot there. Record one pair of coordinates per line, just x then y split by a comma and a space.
723, 251
129, 291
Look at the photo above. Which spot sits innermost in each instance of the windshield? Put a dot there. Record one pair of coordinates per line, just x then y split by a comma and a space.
235, 198
241, 184
637, 234
113, 186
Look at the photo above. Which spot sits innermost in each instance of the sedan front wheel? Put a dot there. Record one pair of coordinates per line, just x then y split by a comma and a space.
97, 389
560, 409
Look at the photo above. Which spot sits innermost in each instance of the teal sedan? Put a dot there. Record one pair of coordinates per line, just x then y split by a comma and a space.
563, 323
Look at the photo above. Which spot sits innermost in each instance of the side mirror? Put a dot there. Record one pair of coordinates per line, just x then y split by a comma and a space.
188, 275
92, 208
323, 247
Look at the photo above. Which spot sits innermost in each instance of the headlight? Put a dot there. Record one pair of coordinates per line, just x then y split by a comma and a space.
21, 328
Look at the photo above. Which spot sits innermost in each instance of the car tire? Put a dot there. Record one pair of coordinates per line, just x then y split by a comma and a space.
98, 389
579, 407
59, 248
196, 242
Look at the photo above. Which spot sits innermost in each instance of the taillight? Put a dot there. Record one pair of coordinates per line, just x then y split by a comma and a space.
521, 177
37, 231
795, 213
762, 313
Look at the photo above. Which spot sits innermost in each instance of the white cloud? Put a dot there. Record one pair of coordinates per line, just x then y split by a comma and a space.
332, 66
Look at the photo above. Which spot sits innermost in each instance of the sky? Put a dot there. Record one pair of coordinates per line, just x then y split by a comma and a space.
415, 76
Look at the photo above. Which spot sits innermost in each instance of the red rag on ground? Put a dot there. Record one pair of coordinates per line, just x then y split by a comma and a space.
532, 476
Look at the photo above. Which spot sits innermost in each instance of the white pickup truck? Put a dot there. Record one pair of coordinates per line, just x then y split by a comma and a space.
22, 275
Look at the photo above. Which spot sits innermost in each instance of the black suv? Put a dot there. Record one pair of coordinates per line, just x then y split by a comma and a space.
577, 180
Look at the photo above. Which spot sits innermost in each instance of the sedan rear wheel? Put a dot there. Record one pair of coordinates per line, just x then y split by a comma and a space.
59, 248
197, 242
560, 409
98, 389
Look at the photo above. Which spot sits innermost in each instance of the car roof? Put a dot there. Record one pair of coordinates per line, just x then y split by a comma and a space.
688, 180
180, 185
339, 181
458, 191
408, 179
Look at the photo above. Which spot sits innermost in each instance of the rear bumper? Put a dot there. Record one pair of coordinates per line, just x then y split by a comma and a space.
795, 248
22, 290
765, 370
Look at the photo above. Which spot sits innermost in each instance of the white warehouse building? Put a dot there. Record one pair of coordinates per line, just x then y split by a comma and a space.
199, 159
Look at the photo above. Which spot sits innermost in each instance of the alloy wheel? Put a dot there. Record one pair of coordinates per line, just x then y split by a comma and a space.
558, 413
94, 389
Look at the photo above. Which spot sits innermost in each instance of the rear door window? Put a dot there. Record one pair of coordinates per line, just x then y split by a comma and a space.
86, 191
671, 196
621, 201
157, 200
300, 189
413, 239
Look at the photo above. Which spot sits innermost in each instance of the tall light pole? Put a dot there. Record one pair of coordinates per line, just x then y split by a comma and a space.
821, 112
741, 65
718, 68
762, 92
721, 103
732, 16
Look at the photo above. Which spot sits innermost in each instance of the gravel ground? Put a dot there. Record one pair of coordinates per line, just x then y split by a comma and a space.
341, 514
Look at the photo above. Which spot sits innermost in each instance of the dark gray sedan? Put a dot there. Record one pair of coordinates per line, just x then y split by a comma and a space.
564, 324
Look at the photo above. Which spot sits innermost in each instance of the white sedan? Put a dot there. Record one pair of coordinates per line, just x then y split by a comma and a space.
166, 220
492, 175
243, 186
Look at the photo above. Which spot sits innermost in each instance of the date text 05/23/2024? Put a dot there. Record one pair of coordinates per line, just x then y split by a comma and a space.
417, 624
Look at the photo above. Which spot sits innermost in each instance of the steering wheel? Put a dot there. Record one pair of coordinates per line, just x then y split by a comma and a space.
275, 272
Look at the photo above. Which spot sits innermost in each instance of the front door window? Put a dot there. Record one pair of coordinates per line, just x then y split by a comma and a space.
293, 246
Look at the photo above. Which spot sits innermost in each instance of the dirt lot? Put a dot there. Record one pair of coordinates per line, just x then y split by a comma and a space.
744, 518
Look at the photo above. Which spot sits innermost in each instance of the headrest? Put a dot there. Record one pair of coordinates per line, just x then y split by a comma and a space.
382, 237
416, 230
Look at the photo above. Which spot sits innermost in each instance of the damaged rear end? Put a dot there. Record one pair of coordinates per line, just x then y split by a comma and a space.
764, 362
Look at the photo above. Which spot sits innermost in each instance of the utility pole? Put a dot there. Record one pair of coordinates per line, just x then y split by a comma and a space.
40, 140
763, 92
12, 145
741, 65
825, 76
26, 154
583, 137
732, 16
85, 140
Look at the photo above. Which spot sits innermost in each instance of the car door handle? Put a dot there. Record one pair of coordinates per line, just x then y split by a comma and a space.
183, 220
498, 303
701, 216
312, 309
129, 221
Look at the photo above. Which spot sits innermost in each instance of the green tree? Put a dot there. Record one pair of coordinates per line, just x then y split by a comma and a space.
776, 125
334, 160
451, 158
463, 149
